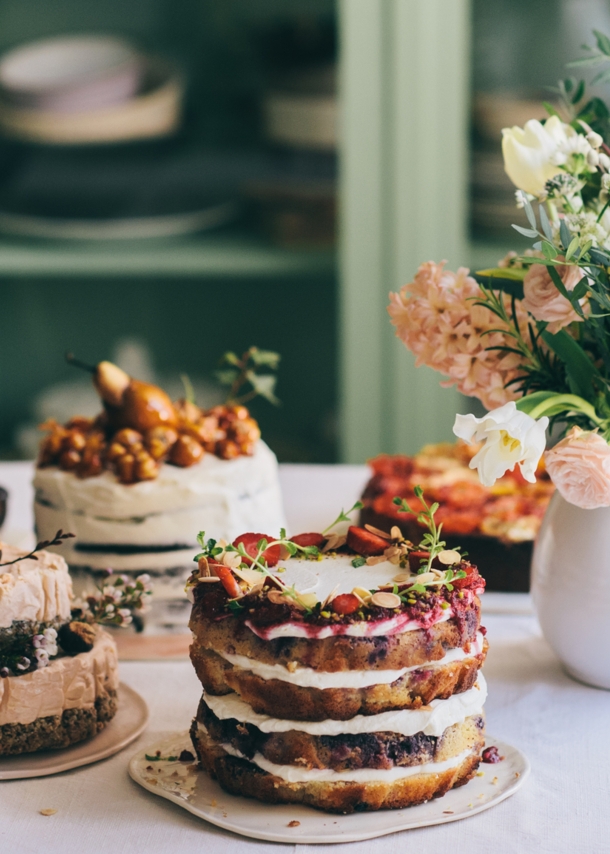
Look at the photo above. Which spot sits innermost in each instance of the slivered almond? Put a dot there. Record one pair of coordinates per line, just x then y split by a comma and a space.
330, 597
375, 559
362, 594
396, 533
449, 557
277, 598
250, 576
208, 579
386, 600
383, 534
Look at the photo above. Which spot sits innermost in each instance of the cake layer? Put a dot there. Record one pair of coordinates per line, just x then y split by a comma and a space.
432, 719
58, 731
34, 590
107, 517
387, 789
343, 752
365, 692
333, 654
67, 683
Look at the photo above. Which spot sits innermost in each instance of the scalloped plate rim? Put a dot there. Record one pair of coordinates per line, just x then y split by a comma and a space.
396, 820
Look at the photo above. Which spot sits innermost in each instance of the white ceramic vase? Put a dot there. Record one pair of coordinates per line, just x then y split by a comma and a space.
571, 588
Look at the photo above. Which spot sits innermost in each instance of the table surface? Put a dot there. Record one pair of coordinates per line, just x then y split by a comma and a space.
557, 722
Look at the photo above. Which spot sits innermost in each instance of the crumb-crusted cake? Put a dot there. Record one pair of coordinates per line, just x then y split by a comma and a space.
134, 484
58, 676
339, 671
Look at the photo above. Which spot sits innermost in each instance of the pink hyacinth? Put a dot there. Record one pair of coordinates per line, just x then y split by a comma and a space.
436, 319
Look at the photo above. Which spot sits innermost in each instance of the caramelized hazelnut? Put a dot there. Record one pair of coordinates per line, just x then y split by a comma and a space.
69, 460
186, 451
125, 467
79, 422
90, 465
115, 451
227, 449
187, 411
159, 440
128, 437
145, 468
74, 440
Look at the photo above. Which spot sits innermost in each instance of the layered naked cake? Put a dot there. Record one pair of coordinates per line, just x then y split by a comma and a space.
339, 673
58, 676
134, 485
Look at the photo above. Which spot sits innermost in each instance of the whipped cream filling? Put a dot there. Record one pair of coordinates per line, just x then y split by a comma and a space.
364, 628
69, 682
222, 497
294, 774
307, 677
38, 590
431, 720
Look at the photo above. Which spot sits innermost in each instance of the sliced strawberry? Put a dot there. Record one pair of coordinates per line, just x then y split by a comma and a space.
416, 560
312, 539
228, 579
472, 579
250, 542
365, 543
346, 603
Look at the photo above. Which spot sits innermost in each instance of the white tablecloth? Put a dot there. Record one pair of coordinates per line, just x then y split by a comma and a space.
561, 725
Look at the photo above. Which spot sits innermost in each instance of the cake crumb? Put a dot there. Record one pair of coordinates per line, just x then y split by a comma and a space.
517, 774
480, 773
494, 782
480, 796
293, 824
48, 812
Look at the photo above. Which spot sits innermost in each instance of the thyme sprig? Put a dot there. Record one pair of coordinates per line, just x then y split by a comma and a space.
344, 516
43, 544
239, 371
431, 541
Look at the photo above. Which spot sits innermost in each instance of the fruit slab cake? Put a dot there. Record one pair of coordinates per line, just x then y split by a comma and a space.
339, 670
134, 484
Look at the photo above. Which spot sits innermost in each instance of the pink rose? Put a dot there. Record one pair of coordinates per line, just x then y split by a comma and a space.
543, 300
579, 466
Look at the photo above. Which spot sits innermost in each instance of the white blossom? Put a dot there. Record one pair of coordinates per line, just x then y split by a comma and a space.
510, 437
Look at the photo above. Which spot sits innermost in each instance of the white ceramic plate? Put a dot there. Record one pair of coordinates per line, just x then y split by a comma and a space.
128, 723
193, 789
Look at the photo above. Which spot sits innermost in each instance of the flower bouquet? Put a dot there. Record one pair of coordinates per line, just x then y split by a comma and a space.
530, 337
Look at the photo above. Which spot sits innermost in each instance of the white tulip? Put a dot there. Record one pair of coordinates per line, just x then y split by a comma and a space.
529, 153
509, 437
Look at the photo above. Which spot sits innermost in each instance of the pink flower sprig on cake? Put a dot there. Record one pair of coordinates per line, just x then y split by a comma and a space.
438, 319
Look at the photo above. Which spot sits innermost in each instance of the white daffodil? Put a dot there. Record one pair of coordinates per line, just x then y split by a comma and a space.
509, 437
529, 153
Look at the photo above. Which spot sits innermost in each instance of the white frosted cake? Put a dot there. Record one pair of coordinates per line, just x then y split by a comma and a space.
51, 694
136, 484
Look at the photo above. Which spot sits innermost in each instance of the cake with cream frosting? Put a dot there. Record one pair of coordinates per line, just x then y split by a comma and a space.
340, 670
52, 694
134, 484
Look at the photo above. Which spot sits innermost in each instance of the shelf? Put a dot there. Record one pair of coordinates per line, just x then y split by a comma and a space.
193, 256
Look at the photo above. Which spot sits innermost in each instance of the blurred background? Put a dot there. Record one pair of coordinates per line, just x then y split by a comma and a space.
182, 178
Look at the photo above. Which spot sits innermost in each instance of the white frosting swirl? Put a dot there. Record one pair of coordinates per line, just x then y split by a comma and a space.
34, 589
307, 677
431, 720
69, 682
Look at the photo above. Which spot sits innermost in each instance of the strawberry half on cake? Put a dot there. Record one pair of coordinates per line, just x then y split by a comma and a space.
339, 670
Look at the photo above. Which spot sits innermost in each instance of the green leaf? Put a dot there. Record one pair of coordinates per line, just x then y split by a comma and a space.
574, 244
580, 369
264, 385
580, 91
526, 232
529, 212
230, 359
358, 561
564, 233
549, 251
544, 222
511, 274
226, 376
265, 357
603, 42
550, 109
